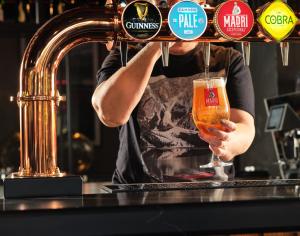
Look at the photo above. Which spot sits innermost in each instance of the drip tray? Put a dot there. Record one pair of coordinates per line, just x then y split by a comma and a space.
115, 188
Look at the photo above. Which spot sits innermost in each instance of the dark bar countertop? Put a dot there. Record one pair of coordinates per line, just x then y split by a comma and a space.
173, 212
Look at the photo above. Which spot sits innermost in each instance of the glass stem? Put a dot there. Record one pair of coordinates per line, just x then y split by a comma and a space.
215, 159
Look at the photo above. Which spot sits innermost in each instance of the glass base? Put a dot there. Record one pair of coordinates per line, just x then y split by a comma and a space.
214, 164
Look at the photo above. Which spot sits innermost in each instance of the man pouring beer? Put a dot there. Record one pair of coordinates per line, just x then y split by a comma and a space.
151, 105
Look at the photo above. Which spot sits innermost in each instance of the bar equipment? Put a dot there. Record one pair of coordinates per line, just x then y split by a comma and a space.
38, 97
284, 125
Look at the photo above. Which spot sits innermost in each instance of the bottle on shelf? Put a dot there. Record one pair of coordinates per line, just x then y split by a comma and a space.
29, 11
61, 7
1, 11
21, 12
51, 8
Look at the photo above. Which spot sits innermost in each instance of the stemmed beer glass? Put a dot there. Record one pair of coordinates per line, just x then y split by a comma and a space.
210, 106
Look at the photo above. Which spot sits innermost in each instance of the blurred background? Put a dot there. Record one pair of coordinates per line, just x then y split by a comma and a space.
87, 147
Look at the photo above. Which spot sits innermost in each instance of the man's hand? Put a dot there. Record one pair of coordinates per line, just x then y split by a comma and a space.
233, 138
220, 140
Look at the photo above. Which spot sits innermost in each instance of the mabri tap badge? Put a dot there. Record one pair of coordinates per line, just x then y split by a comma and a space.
233, 19
187, 20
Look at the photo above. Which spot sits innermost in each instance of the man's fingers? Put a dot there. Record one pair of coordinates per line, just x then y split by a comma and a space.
219, 134
228, 125
211, 140
220, 152
216, 150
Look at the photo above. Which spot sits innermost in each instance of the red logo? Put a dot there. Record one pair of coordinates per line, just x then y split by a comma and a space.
234, 19
211, 97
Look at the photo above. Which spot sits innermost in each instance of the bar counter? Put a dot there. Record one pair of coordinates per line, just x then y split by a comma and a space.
173, 212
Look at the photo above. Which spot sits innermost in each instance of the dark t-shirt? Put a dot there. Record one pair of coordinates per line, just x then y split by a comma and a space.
160, 141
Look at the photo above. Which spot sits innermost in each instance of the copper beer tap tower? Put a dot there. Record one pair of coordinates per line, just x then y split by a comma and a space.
38, 97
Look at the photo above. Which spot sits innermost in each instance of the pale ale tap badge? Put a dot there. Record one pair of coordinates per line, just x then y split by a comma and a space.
187, 20
233, 19
141, 20
277, 20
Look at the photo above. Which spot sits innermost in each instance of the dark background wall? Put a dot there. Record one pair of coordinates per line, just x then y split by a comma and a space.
264, 60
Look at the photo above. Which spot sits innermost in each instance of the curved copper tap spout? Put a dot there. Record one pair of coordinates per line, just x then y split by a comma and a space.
38, 97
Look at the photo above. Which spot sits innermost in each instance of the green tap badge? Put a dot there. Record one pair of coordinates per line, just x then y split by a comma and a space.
277, 20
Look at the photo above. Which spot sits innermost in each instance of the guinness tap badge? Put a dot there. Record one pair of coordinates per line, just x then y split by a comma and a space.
141, 20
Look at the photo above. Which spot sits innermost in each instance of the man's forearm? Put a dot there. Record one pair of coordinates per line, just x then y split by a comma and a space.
115, 99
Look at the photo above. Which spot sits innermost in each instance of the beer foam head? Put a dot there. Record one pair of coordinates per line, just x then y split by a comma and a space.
211, 82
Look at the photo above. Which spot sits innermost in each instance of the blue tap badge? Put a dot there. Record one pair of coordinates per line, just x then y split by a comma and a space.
187, 20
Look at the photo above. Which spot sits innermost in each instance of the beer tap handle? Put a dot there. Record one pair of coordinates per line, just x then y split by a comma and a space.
165, 53
124, 51
246, 49
285, 46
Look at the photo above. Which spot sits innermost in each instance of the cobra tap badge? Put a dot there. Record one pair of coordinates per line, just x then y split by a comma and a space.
277, 20
141, 20
233, 19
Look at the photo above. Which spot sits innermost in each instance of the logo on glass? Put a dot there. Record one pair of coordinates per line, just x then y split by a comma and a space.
234, 19
141, 20
277, 20
187, 20
211, 97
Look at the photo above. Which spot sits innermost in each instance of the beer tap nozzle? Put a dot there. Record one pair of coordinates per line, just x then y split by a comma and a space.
206, 54
285, 46
246, 49
165, 53
124, 51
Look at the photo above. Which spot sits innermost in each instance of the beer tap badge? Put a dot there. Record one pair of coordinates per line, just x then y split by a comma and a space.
234, 19
141, 20
277, 20
187, 20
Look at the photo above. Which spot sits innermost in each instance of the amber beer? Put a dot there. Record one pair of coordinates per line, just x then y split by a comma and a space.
210, 103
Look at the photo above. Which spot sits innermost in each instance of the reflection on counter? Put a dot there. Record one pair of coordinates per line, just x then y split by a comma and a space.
208, 195
182, 165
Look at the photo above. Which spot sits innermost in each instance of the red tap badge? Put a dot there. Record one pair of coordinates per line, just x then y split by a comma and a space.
234, 19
